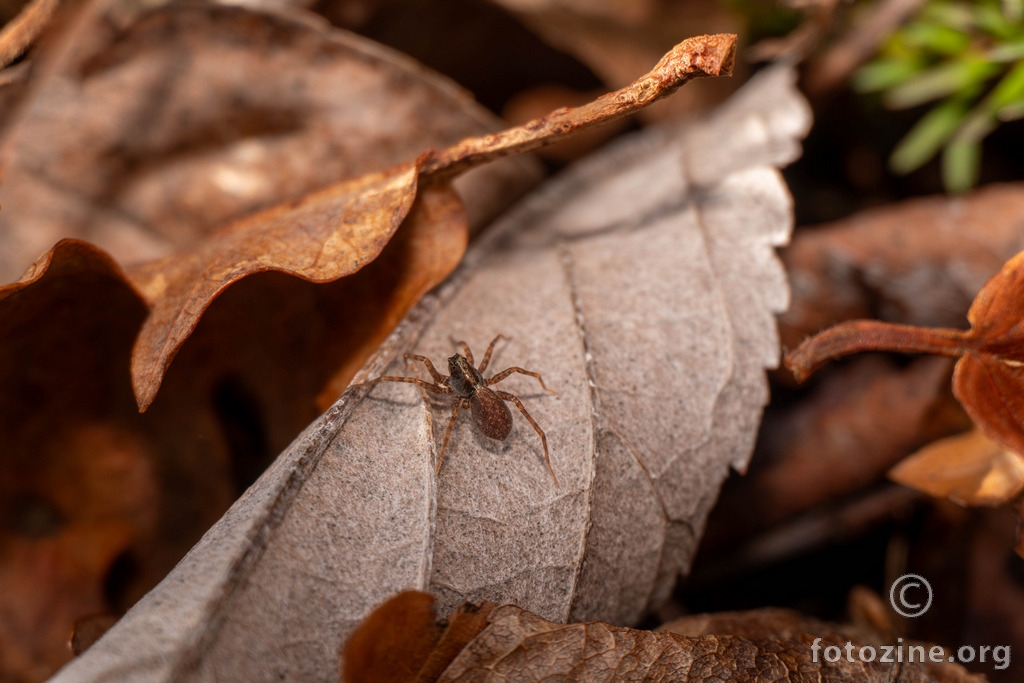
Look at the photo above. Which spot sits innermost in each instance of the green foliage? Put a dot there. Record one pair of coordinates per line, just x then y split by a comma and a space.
966, 57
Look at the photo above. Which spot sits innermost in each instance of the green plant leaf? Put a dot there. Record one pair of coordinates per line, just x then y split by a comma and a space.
1009, 90
961, 161
927, 136
954, 77
937, 38
883, 74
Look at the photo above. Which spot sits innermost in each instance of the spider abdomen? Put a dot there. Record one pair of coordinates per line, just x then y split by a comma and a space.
490, 414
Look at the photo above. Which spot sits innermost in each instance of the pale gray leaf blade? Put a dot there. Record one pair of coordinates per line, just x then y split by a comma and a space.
644, 295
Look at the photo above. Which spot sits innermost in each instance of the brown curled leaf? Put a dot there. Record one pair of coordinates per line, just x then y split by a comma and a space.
323, 237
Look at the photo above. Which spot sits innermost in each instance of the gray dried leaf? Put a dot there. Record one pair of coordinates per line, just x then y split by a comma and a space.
644, 297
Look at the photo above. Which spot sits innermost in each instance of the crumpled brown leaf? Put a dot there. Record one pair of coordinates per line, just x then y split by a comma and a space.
509, 643
641, 285
970, 469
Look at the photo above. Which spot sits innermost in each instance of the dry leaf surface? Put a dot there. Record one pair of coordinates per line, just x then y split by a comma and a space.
988, 376
254, 367
508, 643
88, 159
521, 645
150, 138
970, 469
642, 286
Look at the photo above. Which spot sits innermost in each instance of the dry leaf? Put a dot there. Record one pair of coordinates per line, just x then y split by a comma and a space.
988, 380
616, 39
761, 645
844, 434
21, 31
970, 469
148, 139
642, 286
402, 640
919, 262
257, 92
335, 232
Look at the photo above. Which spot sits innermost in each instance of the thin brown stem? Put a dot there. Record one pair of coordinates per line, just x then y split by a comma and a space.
858, 336
696, 57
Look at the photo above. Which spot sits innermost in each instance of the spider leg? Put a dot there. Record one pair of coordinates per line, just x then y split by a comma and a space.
438, 377
505, 373
543, 439
437, 389
487, 354
448, 432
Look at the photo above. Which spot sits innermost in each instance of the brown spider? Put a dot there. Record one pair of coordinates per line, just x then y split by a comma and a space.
470, 389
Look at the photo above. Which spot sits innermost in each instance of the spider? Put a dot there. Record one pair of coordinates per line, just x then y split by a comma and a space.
467, 384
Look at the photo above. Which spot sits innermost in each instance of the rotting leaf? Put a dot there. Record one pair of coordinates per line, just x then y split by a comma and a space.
768, 644
988, 379
660, 377
970, 469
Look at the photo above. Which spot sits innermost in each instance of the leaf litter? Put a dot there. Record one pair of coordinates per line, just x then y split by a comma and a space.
655, 403
229, 323
401, 641
983, 468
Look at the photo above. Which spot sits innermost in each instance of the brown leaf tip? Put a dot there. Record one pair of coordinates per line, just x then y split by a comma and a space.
713, 55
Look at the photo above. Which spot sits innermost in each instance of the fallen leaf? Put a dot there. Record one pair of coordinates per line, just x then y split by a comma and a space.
988, 379
617, 39
918, 262
326, 236
970, 469
842, 436
335, 232
768, 644
21, 31
403, 640
257, 92
656, 400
